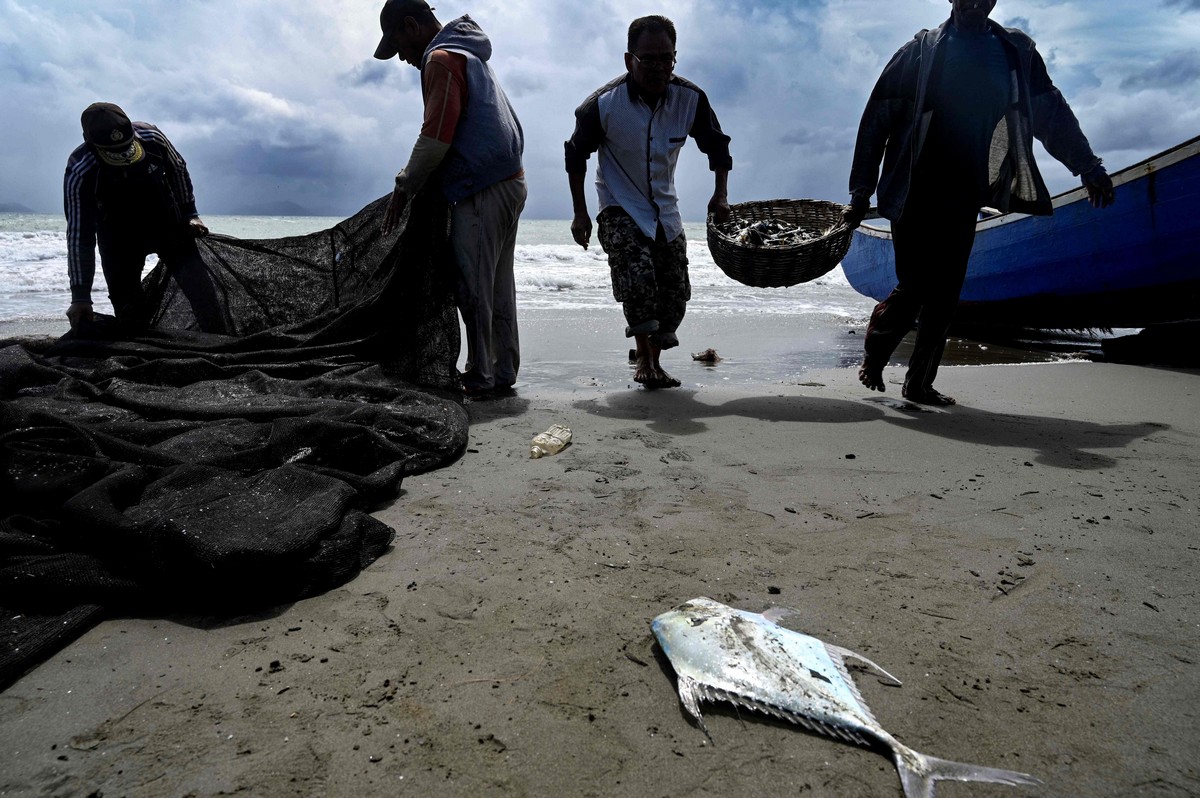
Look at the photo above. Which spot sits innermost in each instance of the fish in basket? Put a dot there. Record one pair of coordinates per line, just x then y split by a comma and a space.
777, 243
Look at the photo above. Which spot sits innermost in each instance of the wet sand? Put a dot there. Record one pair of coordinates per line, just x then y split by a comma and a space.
1023, 562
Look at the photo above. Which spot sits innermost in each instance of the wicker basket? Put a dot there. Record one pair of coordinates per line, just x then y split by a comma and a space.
776, 267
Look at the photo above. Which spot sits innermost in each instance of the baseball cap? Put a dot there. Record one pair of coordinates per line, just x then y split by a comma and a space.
393, 13
108, 129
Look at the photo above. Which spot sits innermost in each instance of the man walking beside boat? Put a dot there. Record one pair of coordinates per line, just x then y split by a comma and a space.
952, 119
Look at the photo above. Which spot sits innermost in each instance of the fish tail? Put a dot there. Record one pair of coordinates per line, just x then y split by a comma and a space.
920, 772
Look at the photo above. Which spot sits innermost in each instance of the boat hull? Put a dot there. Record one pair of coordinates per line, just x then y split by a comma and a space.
1130, 265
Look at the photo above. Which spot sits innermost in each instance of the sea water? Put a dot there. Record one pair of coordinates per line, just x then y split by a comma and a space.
552, 272
34, 290
572, 330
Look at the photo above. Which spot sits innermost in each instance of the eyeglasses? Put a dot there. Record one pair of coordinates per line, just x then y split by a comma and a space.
655, 61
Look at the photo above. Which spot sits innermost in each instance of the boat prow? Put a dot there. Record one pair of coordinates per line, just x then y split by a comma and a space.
1133, 264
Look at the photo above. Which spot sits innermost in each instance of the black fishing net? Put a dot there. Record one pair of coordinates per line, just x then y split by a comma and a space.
227, 458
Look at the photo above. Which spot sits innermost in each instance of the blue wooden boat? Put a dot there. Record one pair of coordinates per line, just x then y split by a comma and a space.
1133, 264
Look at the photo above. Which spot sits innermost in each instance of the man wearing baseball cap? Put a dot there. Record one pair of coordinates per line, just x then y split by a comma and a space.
470, 147
126, 188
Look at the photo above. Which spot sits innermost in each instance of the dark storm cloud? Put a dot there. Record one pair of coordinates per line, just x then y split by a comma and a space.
369, 73
247, 148
792, 8
823, 140
1173, 72
730, 83
309, 161
276, 100
13, 66
521, 82
1020, 23
318, 176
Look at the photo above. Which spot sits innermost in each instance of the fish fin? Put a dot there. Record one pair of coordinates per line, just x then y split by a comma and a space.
845, 653
812, 724
690, 696
777, 614
838, 656
919, 772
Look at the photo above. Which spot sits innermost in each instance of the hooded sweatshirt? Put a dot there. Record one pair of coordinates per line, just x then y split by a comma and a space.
470, 132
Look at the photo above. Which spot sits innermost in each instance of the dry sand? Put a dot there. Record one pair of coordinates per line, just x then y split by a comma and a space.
1023, 562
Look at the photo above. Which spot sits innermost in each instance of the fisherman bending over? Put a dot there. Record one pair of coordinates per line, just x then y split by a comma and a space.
128, 188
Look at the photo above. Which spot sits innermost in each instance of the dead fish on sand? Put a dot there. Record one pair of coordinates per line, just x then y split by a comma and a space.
707, 356
723, 654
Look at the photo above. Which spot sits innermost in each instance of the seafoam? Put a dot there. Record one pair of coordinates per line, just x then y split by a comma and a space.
552, 272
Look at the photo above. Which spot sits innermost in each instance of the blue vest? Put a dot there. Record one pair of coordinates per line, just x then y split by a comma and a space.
488, 141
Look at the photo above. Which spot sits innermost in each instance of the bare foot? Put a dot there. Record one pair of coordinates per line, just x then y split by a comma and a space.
644, 373
928, 397
871, 377
664, 380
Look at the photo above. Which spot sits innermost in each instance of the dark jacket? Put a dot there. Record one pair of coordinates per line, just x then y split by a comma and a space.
892, 129
96, 205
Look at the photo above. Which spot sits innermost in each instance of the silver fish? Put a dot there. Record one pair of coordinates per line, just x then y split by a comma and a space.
723, 654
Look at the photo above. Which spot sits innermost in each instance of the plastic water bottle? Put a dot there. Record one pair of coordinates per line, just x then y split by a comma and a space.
552, 441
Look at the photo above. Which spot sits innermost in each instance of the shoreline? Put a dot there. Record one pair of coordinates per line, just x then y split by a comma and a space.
1023, 562
586, 346
588, 350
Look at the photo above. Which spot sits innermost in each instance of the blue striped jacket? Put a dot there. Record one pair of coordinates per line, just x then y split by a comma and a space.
84, 198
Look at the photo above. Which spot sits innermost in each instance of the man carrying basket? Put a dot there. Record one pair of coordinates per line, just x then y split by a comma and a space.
638, 123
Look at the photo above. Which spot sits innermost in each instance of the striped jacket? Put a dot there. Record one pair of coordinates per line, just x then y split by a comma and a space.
639, 148
85, 194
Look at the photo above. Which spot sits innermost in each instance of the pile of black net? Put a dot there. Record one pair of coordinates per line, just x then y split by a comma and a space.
182, 470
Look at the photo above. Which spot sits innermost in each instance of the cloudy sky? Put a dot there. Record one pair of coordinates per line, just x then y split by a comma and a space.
278, 100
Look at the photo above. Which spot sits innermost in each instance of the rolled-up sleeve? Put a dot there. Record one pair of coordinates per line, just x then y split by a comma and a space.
444, 85
711, 140
587, 138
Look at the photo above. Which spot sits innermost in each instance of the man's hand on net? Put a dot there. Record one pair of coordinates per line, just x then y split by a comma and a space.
79, 313
198, 227
395, 210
